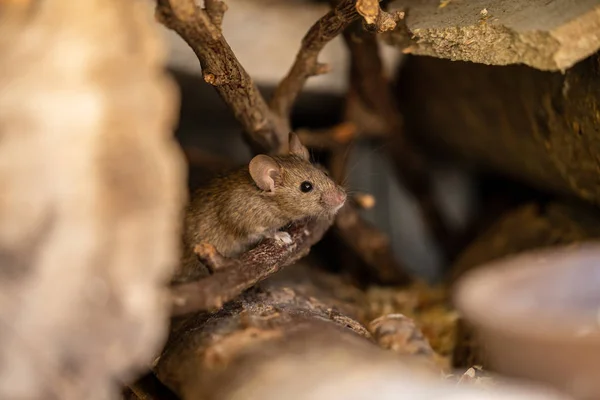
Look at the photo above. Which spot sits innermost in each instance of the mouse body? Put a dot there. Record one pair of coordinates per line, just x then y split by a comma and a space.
236, 210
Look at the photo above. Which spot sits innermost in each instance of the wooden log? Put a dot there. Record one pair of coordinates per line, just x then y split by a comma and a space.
545, 35
298, 309
298, 336
539, 127
92, 184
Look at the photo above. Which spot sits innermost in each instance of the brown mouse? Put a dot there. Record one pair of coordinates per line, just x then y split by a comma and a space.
236, 210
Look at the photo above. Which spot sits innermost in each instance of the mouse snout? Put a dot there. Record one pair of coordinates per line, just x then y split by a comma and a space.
335, 197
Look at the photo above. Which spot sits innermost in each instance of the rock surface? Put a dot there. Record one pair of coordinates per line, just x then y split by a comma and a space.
547, 35
91, 186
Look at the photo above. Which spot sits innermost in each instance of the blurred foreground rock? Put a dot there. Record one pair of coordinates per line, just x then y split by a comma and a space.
531, 226
91, 183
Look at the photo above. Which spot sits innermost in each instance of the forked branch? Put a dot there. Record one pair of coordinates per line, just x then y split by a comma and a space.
200, 28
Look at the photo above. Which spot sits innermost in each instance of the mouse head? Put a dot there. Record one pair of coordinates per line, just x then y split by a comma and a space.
299, 188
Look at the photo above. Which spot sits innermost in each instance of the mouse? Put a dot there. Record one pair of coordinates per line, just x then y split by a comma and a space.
237, 209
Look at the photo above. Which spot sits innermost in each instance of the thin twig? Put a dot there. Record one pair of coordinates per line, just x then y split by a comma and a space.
322, 32
327, 28
200, 28
328, 139
377, 19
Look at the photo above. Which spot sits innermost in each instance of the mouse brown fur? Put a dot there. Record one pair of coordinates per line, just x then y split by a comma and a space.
236, 210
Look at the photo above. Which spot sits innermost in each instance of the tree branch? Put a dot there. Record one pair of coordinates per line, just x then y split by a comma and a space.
322, 32
343, 14
200, 28
215, 10
252, 267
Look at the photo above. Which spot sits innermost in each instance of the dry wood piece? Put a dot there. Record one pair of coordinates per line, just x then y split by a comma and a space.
545, 35
343, 14
298, 335
328, 139
476, 375
364, 201
540, 128
92, 186
215, 10
302, 311
253, 266
266, 131
400, 334
381, 20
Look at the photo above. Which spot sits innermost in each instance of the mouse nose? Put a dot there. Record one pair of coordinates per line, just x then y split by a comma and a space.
335, 198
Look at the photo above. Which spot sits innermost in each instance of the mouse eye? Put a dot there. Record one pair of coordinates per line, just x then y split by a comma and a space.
306, 186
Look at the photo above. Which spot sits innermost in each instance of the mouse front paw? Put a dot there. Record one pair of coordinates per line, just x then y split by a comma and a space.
282, 238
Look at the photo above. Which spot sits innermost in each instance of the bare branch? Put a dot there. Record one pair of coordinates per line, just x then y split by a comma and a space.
252, 267
329, 139
378, 19
322, 32
200, 28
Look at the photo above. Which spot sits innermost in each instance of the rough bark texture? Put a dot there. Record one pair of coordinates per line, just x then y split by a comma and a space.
211, 292
538, 127
91, 187
206, 350
529, 227
265, 130
300, 335
548, 35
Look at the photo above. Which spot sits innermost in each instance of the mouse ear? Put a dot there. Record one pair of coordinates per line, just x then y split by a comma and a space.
297, 148
264, 170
